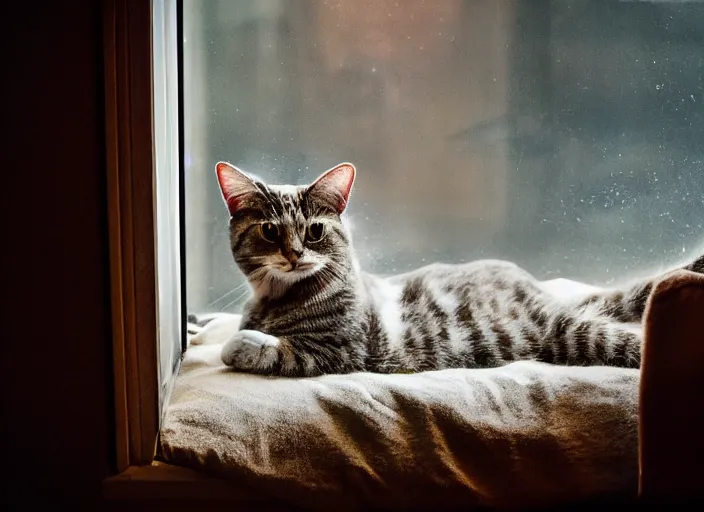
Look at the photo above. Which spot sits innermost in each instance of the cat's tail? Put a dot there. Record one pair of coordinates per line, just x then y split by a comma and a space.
628, 304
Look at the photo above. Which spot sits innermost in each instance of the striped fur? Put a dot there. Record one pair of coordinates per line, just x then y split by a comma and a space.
327, 316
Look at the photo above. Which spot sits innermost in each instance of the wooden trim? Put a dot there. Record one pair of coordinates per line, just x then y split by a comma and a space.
163, 483
131, 213
159, 480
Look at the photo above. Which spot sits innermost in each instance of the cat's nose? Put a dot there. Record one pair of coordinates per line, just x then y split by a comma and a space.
293, 256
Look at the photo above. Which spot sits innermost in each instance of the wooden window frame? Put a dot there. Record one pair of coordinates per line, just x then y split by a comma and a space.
132, 220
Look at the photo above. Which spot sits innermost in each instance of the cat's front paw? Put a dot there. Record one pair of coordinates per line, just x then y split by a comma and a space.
250, 351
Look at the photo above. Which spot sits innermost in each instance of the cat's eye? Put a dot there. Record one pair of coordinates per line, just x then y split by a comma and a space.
270, 231
316, 230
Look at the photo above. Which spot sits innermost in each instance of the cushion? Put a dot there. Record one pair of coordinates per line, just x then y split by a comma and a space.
524, 434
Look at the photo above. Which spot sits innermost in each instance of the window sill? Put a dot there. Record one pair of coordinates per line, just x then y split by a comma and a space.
159, 482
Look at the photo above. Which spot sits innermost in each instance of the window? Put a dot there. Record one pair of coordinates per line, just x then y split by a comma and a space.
564, 136
167, 186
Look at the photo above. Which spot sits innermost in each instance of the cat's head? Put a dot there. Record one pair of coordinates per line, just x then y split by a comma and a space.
281, 235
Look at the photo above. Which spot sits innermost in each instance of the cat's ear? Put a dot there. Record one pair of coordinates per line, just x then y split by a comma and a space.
333, 186
235, 185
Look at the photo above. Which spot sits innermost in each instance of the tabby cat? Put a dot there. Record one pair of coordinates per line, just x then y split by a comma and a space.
313, 311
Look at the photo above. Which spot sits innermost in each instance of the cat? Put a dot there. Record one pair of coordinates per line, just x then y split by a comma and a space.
313, 311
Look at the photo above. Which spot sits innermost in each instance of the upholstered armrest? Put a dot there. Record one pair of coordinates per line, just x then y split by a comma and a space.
671, 426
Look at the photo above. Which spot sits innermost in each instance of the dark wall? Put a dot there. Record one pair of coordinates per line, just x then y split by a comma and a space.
56, 390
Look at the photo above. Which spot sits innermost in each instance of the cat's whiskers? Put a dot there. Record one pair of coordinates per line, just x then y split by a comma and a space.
237, 299
265, 282
228, 294
273, 279
257, 277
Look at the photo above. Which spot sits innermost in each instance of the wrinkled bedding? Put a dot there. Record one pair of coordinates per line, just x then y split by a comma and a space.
524, 434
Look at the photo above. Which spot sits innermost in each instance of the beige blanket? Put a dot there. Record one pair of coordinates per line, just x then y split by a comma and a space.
524, 434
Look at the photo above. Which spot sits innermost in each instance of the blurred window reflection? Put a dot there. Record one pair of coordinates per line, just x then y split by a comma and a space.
565, 136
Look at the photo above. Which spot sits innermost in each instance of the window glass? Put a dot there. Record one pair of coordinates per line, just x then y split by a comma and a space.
565, 136
166, 152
